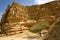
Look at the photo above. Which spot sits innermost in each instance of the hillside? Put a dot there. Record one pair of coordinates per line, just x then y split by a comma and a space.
18, 19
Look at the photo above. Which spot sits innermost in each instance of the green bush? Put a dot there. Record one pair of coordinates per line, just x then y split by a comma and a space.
39, 26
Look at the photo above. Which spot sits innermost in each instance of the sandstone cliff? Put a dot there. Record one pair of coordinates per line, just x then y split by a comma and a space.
18, 18
16, 12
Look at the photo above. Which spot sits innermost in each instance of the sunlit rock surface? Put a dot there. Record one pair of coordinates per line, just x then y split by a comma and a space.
17, 20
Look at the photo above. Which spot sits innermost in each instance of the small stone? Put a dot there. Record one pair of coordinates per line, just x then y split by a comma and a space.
43, 32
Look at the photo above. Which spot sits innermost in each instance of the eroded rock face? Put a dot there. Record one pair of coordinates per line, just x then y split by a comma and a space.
18, 13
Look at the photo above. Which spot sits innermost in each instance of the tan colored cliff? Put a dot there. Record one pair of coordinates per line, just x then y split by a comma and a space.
17, 12
29, 15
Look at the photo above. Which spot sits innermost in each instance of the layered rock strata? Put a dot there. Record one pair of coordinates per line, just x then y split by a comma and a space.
27, 16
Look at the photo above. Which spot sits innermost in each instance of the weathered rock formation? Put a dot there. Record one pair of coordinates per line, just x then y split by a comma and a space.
17, 15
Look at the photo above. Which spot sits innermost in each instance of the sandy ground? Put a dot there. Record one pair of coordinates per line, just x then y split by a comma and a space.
23, 36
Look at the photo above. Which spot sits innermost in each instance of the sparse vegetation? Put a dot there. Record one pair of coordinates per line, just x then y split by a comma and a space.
39, 26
